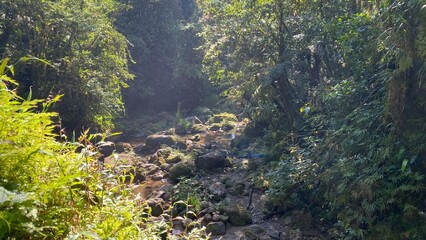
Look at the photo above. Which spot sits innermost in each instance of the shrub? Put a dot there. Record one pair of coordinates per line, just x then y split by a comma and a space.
49, 190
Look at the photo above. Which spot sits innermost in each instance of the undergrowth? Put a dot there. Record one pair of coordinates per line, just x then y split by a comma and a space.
53, 189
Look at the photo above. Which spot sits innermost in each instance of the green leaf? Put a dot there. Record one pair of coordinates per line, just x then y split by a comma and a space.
404, 165
11, 69
30, 95
3, 65
8, 79
28, 58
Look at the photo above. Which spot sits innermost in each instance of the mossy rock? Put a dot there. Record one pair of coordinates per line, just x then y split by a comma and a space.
238, 216
198, 128
227, 126
182, 169
157, 140
223, 117
215, 127
175, 158
216, 228
212, 160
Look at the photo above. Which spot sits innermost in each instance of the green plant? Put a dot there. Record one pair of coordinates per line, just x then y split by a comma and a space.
58, 190
190, 192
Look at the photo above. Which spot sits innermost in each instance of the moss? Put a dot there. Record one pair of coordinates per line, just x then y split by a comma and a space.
223, 117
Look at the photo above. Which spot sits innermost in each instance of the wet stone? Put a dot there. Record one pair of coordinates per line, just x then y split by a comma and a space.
216, 228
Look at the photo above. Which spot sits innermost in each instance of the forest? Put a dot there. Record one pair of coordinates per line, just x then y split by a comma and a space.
213, 119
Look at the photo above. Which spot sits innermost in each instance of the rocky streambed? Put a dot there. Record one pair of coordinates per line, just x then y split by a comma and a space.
204, 175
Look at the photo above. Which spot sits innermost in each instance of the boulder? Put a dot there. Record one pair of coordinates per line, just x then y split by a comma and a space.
216, 228
105, 149
217, 190
227, 127
215, 127
156, 205
212, 160
121, 147
181, 145
181, 169
195, 138
216, 217
301, 219
164, 152
238, 216
175, 158
150, 169
223, 117
255, 232
198, 128
156, 140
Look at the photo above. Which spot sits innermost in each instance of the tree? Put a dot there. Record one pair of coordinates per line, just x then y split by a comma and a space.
166, 64
89, 57
340, 84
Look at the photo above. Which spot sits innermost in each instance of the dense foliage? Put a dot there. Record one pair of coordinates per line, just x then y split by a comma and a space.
49, 190
167, 67
88, 56
339, 88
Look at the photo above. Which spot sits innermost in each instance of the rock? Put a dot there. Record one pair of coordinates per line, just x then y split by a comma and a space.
178, 223
166, 191
150, 168
224, 218
227, 127
153, 158
254, 232
301, 219
198, 128
216, 228
121, 147
208, 217
212, 160
238, 216
105, 149
216, 217
195, 138
238, 235
156, 205
223, 117
217, 190
215, 127
206, 205
139, 177
169, 131
182, 129
181, 145
175, 158
156, 140
182, 169
164, 152
158, 176
191, 215
165, 166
